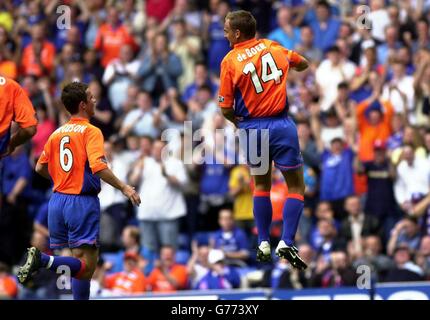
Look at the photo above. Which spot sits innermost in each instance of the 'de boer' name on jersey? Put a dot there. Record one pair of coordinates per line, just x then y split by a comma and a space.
250, 52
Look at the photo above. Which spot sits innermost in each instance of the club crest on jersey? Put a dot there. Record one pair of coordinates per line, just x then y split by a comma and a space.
220, 99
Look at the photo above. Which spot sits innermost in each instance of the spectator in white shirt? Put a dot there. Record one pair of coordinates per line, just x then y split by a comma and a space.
145, 120
412, 177
400, 90
332, 71
160, 179
119, 74
379, 18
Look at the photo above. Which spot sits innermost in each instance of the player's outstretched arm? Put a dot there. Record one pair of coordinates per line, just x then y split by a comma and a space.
42, 169
107, 176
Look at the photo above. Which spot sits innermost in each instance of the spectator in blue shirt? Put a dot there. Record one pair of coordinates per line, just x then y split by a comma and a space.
388, 48
286, 34
337, 172
282, 276
219, 276
325, 27
230, 239
406, 232
160, 68
325, 241
201, 78
16, 176
15, 223
218, 45
306, 46
213, 191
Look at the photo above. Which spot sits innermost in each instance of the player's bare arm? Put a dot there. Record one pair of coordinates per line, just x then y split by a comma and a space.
107, 176
20, 137
301, 66
42, 169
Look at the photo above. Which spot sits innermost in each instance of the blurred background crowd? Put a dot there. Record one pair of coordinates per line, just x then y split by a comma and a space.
362, 113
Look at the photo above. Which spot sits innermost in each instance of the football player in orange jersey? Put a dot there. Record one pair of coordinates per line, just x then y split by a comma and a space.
74, 158
15, 106
253, 96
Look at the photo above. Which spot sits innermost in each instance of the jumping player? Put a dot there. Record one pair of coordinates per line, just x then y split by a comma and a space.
253, 95
74, 158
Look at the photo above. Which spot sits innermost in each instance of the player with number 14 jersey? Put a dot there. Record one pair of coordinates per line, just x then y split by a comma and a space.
253, 96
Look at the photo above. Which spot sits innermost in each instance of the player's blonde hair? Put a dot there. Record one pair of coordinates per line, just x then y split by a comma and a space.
243, 21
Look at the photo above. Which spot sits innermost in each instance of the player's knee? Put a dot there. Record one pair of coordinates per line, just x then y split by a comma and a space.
87, 270
88, 258
297, 190
88, 273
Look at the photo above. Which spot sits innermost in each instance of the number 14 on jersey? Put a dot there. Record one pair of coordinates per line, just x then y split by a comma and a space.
267, 64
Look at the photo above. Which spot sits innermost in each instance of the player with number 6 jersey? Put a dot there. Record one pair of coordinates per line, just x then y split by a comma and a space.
74, 158
253, 96
74, 153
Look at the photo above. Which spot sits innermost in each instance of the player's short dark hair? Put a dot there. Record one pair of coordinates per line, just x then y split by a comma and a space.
243, 21
73, 94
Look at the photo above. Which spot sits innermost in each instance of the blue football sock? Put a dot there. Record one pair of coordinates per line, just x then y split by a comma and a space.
291, 214
53, 262
81, 289
263, 214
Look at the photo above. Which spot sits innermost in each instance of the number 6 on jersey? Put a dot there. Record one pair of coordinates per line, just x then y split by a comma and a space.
66, 164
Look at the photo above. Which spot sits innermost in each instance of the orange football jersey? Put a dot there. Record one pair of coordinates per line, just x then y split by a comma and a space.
14, 106
254, 78
74, 153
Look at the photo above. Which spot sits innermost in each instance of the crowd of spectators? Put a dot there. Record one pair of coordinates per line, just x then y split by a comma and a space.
362, 111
